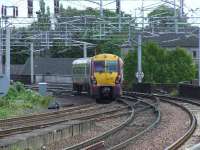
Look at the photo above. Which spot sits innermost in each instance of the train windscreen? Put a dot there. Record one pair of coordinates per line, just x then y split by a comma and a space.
111, 66
105, 66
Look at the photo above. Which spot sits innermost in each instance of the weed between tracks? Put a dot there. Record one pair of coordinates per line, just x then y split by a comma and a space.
21, 101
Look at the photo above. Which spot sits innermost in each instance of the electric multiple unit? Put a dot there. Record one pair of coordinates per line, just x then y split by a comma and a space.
101, 76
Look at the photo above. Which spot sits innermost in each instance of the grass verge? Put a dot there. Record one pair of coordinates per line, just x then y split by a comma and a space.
20, 101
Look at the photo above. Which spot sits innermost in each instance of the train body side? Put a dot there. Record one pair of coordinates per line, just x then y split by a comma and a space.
81, 70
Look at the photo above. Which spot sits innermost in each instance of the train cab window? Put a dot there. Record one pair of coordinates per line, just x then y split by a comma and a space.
99, 66
111, 66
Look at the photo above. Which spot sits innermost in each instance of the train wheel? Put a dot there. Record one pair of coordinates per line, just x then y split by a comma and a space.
79, 89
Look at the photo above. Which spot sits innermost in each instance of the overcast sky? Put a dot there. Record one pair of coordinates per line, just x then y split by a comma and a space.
129, 6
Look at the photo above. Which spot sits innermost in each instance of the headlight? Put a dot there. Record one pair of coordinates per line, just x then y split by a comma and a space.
118, 79
93, 80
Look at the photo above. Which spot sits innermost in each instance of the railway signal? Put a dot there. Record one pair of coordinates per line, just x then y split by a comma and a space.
4, 85
118, 6
30, 8
56, 7
3, 11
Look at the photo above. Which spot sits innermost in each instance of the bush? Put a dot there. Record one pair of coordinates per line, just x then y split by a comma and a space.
19, 99
160, 65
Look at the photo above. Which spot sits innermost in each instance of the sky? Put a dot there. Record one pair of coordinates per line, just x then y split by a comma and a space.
129, 6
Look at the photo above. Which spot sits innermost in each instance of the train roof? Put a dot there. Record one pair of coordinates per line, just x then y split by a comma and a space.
81, 61
105, 57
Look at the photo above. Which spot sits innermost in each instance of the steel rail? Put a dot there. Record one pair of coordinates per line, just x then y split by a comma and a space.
193, 121
53, 113
121, 126
105, 134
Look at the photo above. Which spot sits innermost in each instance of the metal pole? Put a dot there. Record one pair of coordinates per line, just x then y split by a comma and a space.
139, 57
100, 31
8, 53
175, 17
119, 13
181, 8
32, 64
199, 57
1, 50
85, 50
101, 8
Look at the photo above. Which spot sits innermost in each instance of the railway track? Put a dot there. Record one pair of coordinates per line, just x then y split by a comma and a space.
136, 99
138, 107
28, 123
189, 106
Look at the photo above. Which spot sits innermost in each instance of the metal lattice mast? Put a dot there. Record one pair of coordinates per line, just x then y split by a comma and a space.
8, 53
181, 8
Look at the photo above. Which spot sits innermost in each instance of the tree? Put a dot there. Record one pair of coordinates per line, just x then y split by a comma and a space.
160, 65
162, 17
112, 46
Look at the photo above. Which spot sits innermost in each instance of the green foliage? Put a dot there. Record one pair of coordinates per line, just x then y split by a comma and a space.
43, 23
111, 46
19, 99
166, 19
130, 65
160, 65
70, 12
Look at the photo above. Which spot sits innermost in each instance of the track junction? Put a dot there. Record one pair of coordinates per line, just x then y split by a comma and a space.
134, 114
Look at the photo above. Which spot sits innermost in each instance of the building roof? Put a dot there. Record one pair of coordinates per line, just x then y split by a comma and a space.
56, 66
174, 40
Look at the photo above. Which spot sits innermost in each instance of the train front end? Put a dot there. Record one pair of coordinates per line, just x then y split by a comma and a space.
106, 76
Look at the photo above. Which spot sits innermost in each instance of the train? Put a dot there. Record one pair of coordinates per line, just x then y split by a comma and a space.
101, 76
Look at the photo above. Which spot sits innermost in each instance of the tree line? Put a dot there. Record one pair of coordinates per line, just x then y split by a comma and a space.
160, 65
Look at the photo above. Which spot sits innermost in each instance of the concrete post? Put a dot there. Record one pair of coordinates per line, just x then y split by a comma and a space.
8, 53
101, 8
119, 14
175, 17
139, 58
1, 50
